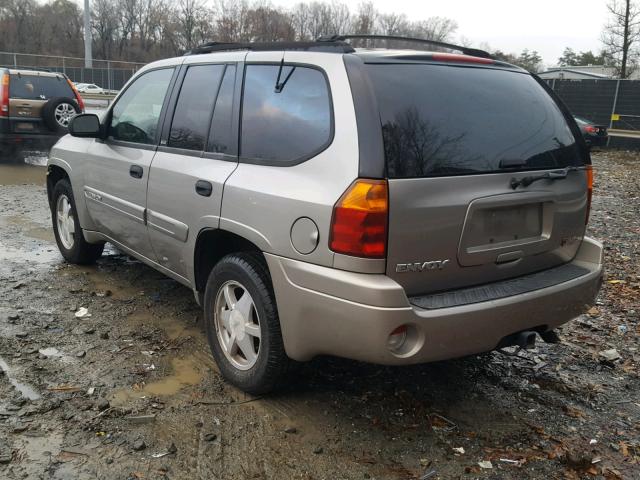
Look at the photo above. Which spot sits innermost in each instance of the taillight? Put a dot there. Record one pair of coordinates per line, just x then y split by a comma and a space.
77, 94
591, 129
4, 96
359, 223
589, 170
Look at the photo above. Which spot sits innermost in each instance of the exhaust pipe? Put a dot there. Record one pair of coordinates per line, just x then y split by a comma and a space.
525, 340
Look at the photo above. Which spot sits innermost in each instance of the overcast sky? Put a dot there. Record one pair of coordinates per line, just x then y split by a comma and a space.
547, 26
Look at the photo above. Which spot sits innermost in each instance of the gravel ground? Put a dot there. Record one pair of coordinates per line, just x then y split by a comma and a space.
130, 391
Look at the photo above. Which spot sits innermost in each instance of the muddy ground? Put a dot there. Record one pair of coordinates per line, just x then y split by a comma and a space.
130, 390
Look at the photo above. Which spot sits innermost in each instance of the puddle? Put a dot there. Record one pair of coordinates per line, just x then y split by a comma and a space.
41, 233
36, 451
105, 283
21, 174
26, 390
33, 229
173, 328
40, 255
185, 373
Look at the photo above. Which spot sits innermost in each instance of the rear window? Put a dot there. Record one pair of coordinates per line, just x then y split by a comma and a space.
33, 87
440, 120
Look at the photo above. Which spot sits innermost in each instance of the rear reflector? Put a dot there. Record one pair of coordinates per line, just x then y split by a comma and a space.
359, 223
4, 96
454, 57
589, 170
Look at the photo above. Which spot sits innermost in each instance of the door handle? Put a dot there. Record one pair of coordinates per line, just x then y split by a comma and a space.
204, 188
135, 171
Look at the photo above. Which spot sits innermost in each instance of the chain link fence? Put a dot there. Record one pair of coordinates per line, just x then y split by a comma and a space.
610, 102
108, 74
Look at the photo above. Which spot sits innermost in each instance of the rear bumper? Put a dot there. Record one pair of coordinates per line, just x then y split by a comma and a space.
7, 137
325, 311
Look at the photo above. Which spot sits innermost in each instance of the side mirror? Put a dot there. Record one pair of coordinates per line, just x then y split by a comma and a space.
85, 125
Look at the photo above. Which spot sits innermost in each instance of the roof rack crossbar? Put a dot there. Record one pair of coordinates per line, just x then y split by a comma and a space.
322, 46
465, 50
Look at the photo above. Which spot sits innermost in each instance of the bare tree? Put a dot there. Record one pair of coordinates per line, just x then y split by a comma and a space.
300, 19
144, 30
621, 35
104, 21
340, 18
269, 25
393, 24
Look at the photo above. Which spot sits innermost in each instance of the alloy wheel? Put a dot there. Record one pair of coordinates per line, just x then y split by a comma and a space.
237, 325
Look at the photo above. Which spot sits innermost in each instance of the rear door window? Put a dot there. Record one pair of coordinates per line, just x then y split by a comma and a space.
442, 120
289, 126
195, 106
33, 87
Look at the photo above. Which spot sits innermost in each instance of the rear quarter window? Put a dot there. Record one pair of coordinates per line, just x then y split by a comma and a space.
442, 120
34, 87
287, 127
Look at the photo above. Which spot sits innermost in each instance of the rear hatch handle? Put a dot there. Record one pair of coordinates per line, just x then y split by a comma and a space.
554, 175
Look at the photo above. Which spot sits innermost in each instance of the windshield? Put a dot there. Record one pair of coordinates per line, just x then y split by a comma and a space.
451, 120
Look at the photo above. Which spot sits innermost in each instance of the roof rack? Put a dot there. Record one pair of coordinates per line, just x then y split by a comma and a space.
465, 50
31, 69
336, 46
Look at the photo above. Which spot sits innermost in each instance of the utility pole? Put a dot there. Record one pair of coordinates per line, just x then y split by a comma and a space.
88, 57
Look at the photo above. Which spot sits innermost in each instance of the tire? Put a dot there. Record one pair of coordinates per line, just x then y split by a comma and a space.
241, 273
58, 112
71, 243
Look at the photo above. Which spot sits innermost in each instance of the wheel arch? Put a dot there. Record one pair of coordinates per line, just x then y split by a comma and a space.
55, 173
211, 245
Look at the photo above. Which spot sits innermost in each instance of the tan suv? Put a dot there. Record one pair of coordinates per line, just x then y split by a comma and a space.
35, 109
390, 206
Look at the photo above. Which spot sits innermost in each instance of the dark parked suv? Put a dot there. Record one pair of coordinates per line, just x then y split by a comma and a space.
35, 109
390, 206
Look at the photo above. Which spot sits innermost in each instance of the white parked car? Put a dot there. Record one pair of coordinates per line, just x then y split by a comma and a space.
89, 88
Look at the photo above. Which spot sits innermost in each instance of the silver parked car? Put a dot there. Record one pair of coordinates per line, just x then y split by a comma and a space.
389, 206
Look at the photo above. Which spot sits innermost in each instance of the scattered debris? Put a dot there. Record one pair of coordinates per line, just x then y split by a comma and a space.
139, 445
65, 389
428, 474
82, 312
610, 355
141, 419
210, 437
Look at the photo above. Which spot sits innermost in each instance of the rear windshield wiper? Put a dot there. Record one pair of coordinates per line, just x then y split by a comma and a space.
554, 175
280, 85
